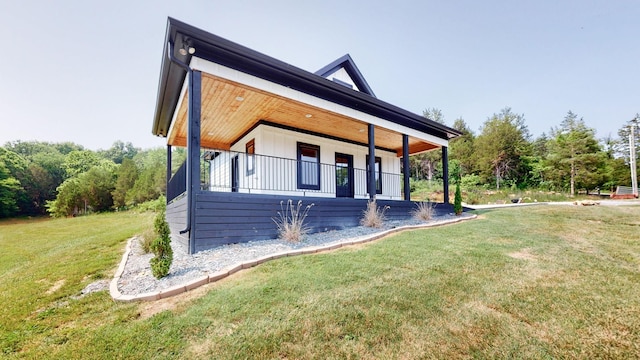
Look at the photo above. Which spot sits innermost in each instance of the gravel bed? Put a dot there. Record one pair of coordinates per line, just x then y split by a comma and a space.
137, 278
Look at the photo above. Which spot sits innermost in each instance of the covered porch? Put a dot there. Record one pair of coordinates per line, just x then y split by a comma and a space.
217, 99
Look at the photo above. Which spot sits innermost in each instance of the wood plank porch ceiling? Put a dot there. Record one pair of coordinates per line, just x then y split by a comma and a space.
230, 109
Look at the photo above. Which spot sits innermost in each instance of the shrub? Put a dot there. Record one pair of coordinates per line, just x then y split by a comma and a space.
457, 201
161, 247
147, 237
424, 210
290, 221
373, 216
158, 204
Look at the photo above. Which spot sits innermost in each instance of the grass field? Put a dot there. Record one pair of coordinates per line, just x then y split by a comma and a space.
534, 282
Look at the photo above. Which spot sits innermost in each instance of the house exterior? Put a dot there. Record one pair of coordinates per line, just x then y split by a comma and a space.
260, 132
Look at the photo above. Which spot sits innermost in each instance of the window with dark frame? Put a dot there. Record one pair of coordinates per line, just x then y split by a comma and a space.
378, 172
308, 166
250, 150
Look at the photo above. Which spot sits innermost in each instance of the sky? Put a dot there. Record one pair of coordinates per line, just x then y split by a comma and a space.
87, 71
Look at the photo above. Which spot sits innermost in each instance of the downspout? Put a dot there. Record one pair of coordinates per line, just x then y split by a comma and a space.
188, 188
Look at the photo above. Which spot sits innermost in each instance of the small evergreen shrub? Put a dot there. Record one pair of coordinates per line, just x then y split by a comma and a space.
457, 201
424, 210
290, 221
161, 247
373, 216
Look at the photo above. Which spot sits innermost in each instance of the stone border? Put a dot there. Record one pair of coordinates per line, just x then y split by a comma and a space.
206, 279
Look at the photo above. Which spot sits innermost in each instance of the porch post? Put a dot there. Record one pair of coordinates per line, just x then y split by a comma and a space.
372, 163
168, 163
193, 150
445, 174
405, 166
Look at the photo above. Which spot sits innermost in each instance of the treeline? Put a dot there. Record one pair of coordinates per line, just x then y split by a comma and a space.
65, 179
569, 158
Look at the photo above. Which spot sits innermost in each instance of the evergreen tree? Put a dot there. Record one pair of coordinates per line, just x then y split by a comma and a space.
501, 147
457, 200
461, 148
127, 175
575, 159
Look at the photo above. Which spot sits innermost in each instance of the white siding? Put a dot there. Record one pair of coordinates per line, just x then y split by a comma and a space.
280, 143
342, 75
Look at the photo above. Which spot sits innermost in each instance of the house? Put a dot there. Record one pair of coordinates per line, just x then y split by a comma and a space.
259, 132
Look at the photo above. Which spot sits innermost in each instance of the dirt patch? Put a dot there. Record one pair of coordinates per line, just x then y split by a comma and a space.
55, 287
524, 254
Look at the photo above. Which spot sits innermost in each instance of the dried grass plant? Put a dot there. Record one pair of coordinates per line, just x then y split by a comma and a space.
290, 221
373, 216
424, 210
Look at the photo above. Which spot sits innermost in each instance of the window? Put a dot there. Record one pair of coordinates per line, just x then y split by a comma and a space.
378, 172
250, 150
308, 167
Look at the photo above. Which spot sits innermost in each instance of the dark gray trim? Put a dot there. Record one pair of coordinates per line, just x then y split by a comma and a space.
350, 175
221, 51
371, 161
300, 163
250, 157
168, 163
377, 179
445, 174
405, 167
193, 149
347, 63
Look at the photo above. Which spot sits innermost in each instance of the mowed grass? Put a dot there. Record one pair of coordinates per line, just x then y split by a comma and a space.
535, 282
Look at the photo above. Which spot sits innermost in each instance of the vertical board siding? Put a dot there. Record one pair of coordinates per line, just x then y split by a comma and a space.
228, 218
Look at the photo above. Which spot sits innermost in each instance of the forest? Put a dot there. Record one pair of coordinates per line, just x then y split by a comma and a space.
66, 179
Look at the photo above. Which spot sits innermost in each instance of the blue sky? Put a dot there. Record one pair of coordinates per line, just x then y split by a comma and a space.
87, 71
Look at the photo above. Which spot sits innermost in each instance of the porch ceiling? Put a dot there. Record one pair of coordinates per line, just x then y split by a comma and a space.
230, 109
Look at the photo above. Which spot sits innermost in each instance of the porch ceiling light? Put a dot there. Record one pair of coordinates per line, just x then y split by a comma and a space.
308, 116
239, 98
187, 49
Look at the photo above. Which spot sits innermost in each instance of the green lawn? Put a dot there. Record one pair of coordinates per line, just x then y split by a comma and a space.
534, 282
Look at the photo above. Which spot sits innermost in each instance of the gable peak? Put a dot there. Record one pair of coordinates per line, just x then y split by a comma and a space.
345, 72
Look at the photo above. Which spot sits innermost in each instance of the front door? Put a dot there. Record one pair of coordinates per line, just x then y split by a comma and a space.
235, 174
344, 175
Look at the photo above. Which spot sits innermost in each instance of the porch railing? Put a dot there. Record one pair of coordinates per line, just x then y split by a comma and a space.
178, 182
230, 171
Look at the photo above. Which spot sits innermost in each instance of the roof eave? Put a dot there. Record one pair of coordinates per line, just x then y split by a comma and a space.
238, 57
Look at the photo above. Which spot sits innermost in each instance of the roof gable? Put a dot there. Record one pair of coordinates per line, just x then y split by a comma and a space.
345, 72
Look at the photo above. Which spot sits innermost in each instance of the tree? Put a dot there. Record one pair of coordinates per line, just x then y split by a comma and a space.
97, 184
9, 187
428, 164
79, 161
501, 147
457, 201
69, 200
575, 158
161, 247
127, 175
151, 181
88, 191
119, 151
17, 168
462, 147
